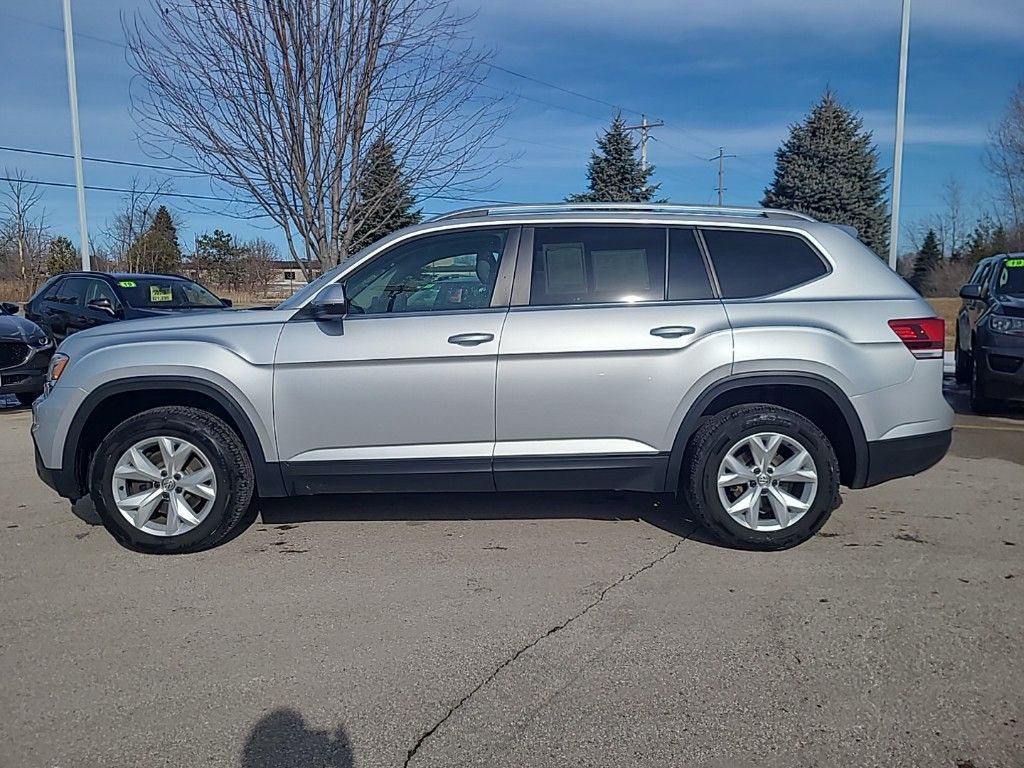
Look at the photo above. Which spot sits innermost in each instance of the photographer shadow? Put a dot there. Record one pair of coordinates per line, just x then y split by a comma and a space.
282, 739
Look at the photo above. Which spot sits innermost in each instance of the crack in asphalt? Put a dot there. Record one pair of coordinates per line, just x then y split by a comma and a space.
557, 628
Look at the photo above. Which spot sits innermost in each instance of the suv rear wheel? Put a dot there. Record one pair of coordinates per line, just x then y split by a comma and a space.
170, 480
761, 477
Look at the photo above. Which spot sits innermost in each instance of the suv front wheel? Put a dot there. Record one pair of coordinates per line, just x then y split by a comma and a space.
761, 477
171, 480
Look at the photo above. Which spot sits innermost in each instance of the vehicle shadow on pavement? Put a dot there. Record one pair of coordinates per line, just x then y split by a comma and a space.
959, 398
661, 511
282, 738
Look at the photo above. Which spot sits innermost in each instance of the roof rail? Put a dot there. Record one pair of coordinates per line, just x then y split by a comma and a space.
693, 210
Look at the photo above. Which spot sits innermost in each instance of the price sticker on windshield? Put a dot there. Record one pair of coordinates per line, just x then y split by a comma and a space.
158, 293
1015, 262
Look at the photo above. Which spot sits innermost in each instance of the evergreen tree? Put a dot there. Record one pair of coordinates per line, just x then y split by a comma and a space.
61, 257
614, 173
218, 259
157, 249
828, 168
386, 203
927, 260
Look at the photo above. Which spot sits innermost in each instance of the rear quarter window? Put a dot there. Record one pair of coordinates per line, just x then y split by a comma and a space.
750, 264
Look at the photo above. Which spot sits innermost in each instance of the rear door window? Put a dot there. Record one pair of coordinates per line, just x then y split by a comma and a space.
750, 263
597, 265
687, 275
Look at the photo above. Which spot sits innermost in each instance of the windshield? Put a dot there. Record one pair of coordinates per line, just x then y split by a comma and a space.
1011, 278
162, 293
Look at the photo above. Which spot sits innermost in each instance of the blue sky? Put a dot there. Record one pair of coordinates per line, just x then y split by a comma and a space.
732, 73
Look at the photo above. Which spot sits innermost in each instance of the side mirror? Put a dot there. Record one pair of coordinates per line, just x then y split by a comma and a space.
8, 308
331, 303
971, 292
226, 302
103, 305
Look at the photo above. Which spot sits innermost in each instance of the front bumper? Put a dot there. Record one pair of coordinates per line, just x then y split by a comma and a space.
30, 376
904, 456
1001, 364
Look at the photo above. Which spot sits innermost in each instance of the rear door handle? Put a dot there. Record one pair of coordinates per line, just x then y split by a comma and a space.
673, 331
470, 339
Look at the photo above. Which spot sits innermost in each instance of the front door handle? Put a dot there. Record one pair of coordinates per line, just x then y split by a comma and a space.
673, 331
470, 339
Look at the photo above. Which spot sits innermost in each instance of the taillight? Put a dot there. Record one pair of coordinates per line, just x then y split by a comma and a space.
925, 337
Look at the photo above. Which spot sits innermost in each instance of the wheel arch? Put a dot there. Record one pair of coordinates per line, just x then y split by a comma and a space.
112, 403
815, 397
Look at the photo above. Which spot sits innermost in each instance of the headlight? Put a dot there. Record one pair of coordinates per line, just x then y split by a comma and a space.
40, 342
57, 365
1003, 324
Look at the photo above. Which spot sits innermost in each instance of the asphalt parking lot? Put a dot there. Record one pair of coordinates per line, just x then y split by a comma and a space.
524, 630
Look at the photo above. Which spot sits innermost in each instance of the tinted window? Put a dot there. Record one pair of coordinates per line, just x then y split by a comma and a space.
100, 289
687, 275
440, 273
53, 291
72, 291
760, 263
593, 265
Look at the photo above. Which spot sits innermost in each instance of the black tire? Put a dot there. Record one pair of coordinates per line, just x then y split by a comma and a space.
227, 455
980, 403
963, 363
26, 398
718, 435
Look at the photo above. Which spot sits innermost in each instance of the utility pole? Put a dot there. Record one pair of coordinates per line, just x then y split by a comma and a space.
644, 129
897, 163
76, 137
720, 157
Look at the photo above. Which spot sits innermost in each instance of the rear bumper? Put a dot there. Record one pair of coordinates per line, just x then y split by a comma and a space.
903, 456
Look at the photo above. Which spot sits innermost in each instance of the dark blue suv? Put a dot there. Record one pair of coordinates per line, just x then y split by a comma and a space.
990, 332
79, 300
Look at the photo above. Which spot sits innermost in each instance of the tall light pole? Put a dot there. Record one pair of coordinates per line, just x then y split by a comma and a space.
76, 138
897, 163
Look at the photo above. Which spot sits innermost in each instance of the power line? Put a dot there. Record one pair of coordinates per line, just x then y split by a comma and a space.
109, 161
445, 198
569, 91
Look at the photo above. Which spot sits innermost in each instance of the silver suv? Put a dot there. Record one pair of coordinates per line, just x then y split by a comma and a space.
748, 360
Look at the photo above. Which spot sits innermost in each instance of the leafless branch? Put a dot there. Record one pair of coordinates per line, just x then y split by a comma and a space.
280, 99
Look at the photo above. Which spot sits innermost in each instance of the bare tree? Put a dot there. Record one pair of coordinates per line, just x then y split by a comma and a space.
280, 100
135, 217
24, 228
953, 231
259, 259
1005, 159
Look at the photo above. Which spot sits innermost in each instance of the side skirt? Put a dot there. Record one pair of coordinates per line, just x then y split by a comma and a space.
626, 472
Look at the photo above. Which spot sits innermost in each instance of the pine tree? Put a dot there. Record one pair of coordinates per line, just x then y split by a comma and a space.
157, 249
828, 168
614, 174
386, 203
61, 257
927, 260
218, 259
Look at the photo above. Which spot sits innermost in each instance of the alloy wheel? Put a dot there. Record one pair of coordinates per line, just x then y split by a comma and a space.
164, 486
767, 481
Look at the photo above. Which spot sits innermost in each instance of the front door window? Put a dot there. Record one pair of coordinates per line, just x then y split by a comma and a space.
450, 272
